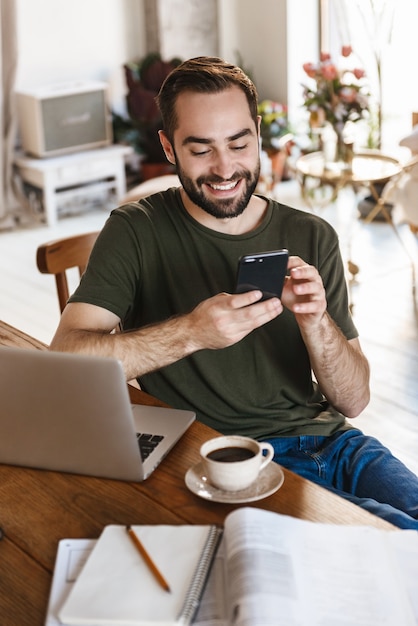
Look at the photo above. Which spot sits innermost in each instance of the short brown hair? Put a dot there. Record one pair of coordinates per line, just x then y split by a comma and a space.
203, 75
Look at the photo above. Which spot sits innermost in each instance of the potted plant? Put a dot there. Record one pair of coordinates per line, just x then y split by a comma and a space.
144, 79
276, 138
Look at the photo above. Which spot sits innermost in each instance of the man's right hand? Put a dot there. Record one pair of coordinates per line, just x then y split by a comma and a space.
225, 319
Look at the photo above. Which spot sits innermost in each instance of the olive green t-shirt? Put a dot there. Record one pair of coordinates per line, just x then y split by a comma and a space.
153, 260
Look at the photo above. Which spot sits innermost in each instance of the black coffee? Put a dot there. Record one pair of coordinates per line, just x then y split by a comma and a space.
231, 454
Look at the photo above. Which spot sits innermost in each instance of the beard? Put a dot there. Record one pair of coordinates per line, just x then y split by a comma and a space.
223, 207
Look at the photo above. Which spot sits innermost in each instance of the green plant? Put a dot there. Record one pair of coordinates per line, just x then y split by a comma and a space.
143, 79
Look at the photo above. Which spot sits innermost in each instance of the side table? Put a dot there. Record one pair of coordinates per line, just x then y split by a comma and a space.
56, 176
368, 168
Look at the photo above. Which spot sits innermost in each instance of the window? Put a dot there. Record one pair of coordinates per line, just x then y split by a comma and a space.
383, 35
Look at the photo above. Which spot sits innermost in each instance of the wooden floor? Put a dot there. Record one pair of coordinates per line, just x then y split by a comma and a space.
383, 306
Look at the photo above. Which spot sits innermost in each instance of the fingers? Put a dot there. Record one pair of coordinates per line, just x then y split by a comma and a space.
242, 313
241, 300
225, 319
304, 291
258, 313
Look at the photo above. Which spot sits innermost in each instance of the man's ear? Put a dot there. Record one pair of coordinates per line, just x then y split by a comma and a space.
167, 147
259, 125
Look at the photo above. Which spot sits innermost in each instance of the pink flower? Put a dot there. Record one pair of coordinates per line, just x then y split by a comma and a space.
329, 71
359, 73
347, 94
310, 69
335, 97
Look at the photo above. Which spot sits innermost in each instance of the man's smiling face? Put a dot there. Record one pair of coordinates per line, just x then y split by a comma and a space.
216, 151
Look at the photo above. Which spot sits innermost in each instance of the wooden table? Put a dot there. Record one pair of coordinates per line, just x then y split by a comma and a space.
38, 508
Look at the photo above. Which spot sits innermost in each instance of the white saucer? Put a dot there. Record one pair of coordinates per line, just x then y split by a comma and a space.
270, 480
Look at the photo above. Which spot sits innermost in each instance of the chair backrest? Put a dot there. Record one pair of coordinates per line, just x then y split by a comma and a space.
402, 190
150, 186
56, 257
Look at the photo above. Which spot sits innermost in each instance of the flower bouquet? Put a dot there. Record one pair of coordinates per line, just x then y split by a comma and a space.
337, 96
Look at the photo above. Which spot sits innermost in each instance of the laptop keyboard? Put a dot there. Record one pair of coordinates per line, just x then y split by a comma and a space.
147, 443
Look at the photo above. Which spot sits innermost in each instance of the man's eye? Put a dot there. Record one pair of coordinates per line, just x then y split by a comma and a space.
237, 148
199, 152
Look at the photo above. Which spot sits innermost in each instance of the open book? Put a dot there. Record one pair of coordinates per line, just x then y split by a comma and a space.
274, 570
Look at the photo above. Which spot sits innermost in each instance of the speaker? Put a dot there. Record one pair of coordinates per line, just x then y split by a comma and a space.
64, 118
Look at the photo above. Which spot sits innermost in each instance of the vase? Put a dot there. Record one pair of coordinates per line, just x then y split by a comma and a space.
343, 149
272, 164
278, 161
337, 148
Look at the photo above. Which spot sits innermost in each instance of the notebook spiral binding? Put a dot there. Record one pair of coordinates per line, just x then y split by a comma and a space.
195, 591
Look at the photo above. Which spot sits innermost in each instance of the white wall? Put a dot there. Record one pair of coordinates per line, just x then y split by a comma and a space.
392, 31
257, 31
92, 39
188, 29
303, 46
274, 42
399, 51
62, 41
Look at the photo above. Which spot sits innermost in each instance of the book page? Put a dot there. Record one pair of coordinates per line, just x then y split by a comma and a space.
405, 544
290, 572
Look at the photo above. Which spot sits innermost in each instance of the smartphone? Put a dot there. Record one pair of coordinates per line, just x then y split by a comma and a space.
265, 271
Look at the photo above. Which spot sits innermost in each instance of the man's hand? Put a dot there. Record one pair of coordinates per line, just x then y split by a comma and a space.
225, 319
304, 293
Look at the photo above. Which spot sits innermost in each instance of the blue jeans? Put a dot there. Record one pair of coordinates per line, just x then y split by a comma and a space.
358, 468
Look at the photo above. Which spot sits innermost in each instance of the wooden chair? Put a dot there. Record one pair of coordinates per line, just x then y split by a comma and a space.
403, 191
150, 186
56, 257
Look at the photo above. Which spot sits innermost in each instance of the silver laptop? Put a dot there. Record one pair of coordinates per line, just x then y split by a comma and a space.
72, 413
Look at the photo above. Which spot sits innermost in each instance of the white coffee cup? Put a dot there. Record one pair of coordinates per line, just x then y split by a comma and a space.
232, 462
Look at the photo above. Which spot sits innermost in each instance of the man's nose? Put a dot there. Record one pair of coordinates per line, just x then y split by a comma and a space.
224, 165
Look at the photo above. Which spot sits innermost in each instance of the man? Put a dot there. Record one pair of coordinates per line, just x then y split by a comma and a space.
164, 268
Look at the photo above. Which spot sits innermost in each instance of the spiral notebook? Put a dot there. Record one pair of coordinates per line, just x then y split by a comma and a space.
116, 587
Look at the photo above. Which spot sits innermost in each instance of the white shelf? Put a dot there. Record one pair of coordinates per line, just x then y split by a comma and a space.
65, 176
